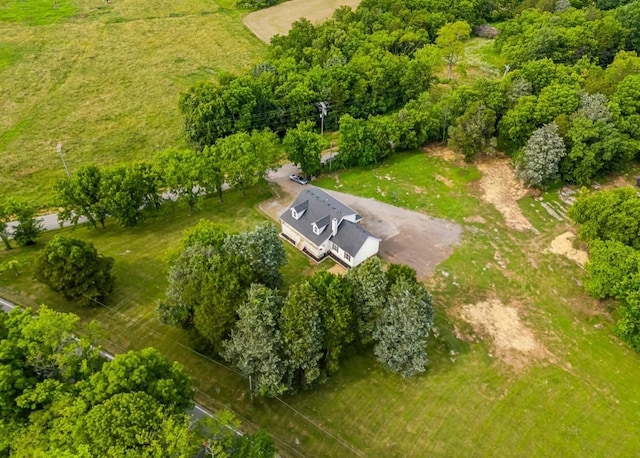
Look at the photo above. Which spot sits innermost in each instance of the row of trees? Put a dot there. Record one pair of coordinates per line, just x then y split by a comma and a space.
227, 288
60, 397
285, 343
609, 221
125, 191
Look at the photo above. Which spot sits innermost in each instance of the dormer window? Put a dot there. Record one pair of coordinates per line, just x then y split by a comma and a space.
320, 225
298, 210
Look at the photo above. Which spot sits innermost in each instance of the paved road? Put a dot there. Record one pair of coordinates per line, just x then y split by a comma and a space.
50, 220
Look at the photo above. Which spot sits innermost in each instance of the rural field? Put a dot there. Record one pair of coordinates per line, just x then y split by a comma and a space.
522, 361
277, 20
103, 79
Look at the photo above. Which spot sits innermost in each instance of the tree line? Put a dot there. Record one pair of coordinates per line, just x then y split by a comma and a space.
228, 290
60, 397
609, 221
362, 63
565, 111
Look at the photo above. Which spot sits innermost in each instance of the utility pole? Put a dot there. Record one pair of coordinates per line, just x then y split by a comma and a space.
323, 107
59, 151
507, 67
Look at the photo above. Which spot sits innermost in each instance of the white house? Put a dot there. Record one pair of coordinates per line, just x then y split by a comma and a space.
321, 226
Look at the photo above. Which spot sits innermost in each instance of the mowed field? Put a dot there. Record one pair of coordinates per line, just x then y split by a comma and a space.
103, 79
277, 20
522, 362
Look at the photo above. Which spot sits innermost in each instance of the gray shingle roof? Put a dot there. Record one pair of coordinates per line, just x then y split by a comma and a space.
321, 208
302, 206
323, 222
351, 237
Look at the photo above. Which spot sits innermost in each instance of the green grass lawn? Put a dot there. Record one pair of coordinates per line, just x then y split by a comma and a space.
581, 399
104, 80
407, 180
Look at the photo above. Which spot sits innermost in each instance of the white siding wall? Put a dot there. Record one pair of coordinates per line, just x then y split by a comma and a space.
324, 249
339, 252
290, 232
368, 249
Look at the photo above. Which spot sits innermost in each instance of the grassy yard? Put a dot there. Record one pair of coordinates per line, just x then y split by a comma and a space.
129, 321
104, 80
580, 399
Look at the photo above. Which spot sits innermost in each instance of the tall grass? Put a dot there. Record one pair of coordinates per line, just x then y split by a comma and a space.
104, 81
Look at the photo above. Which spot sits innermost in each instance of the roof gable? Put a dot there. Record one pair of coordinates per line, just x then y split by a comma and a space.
351, 237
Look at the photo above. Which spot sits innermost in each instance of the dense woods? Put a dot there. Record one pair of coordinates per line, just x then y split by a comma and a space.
609, 221
378, 68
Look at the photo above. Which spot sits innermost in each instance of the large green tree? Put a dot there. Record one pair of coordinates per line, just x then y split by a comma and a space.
451, 38
303, 147
184, 175
28, 227
246, 158
262, 250
75, 269
136, 422
303, 333
223, 289
38, 352
539, 164
596, 147
129, 189
335, 297
145, 371
608, 215
403, 327
474, 130
613, 269
82, 195
369, 284
256, 346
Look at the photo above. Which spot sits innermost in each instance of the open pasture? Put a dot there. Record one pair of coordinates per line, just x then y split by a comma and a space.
103, 79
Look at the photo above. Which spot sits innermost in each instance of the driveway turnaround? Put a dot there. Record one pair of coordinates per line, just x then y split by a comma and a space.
408, 237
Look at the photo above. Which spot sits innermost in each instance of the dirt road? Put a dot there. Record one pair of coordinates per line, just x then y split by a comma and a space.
278, 19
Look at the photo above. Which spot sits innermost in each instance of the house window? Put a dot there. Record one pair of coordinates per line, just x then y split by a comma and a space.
334, 247
347, 256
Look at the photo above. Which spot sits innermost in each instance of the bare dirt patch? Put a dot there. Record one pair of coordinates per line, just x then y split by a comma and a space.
277, 20
563, 245
502, 189
441, 151
514, 343
475, 219
447, 182
338, 270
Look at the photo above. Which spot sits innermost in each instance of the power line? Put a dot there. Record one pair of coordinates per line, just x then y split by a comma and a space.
309, 420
